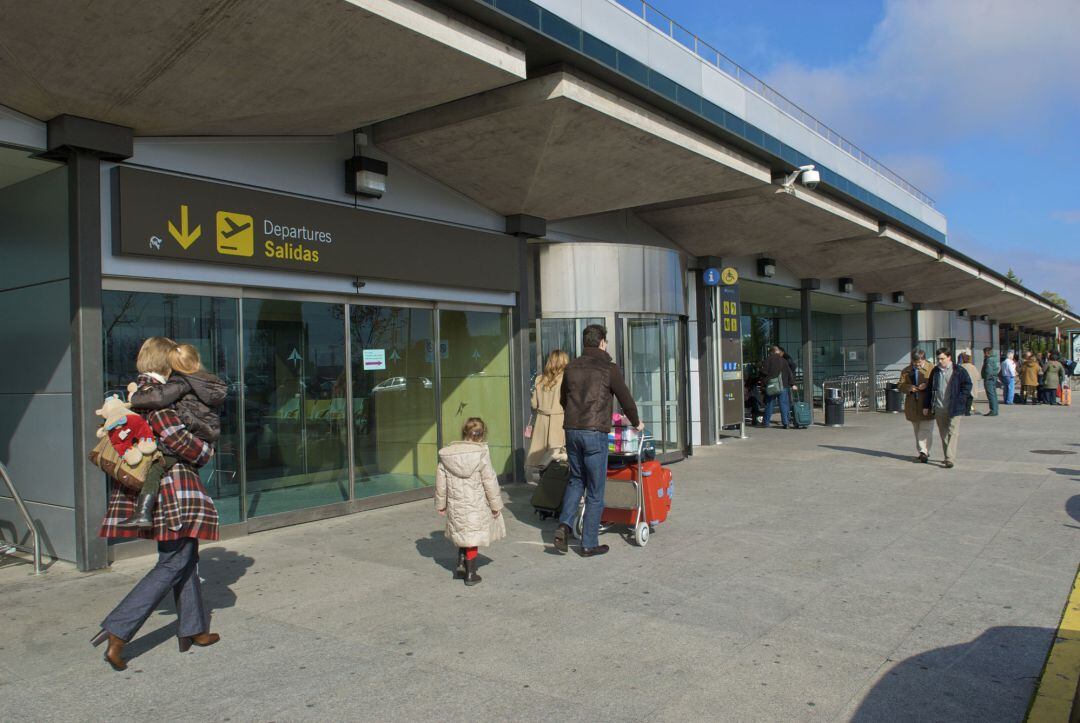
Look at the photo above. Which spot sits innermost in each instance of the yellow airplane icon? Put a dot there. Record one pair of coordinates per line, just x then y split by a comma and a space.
235, 234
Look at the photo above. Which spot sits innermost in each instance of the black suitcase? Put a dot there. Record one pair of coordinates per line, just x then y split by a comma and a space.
548, 497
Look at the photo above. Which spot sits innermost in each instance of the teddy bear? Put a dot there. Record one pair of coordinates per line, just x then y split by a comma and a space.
130, 435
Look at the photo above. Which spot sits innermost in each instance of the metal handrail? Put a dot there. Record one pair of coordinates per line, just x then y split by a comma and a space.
649, 15
26, 518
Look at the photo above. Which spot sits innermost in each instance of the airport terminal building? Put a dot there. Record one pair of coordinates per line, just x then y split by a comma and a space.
374, 218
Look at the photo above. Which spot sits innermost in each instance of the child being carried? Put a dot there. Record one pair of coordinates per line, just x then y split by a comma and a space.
196, 395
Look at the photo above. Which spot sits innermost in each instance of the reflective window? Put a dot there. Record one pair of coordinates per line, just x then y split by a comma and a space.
563, 334
295, 426
654, 370
393, 379
209, 324
474, 355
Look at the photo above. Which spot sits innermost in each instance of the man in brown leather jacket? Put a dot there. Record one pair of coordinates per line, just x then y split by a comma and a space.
587, 388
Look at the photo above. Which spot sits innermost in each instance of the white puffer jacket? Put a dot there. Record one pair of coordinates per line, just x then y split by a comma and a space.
465, 486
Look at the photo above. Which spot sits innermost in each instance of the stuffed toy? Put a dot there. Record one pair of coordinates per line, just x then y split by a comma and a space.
130, 435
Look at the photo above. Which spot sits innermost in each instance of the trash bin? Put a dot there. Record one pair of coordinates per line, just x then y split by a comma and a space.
894, 398
834, 408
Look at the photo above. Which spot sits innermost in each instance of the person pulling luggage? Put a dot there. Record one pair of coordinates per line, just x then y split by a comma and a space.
588, 384
779, 382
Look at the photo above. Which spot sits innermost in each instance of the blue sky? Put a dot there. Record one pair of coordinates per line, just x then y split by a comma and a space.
977, 102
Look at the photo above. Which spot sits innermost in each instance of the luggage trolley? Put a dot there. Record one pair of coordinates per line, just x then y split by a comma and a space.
636, 495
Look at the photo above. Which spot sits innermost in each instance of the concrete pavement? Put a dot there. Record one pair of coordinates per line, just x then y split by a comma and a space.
813, 574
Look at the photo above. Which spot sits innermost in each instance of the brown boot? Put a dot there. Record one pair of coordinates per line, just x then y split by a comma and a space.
113, 653
471, 578
203, 640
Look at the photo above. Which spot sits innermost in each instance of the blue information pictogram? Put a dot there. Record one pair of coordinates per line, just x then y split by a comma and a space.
711, 277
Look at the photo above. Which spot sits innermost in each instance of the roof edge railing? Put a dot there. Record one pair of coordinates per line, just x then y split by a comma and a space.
656, 19
26, 518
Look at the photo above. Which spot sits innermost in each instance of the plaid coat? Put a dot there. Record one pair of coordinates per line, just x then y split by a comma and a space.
183, 509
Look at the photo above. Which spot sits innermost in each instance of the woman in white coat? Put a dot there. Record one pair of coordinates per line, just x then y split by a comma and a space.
467, 493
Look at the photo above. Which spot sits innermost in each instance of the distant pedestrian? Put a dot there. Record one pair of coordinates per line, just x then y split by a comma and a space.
965, 361
467, 494
1052, 379
548, 440
991, 369
950, 386
589, 382
1029, 378
1009, 372
915, 385
779, 381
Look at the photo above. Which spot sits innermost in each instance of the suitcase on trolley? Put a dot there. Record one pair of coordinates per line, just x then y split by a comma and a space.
548, 497
620, 499
802, 414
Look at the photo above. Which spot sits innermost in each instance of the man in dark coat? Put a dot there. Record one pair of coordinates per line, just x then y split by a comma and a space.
779, 378
991, 368
950, 387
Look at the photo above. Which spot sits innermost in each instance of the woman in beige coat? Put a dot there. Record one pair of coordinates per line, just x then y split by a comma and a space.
467, 494
548, 440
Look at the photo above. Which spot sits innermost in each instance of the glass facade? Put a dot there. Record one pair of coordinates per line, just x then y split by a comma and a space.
338, 401
563, 334
654, 366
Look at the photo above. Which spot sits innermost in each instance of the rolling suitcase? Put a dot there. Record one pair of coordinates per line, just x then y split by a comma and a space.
802, 415
548, 497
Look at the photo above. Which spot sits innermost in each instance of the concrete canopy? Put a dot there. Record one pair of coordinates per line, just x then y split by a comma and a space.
769, 221
855, 256
561, 145
244, 67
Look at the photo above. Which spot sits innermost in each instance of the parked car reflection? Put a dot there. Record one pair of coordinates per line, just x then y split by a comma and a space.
400, 384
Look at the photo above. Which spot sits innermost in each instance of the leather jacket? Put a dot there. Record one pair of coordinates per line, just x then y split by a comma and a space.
587, 387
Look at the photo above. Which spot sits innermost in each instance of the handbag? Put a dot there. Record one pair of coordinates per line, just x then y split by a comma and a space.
774, 386
105, 457
529, 427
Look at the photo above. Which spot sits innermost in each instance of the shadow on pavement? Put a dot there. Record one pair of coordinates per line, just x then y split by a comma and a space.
989, 678
443, 552
1072, 506
870, 452
1066, 471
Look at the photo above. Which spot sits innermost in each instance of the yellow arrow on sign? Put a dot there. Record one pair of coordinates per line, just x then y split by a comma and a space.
184, 237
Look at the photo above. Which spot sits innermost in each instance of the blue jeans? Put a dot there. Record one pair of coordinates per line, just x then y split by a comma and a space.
1009, 383
587, 454
991, 394
785, 407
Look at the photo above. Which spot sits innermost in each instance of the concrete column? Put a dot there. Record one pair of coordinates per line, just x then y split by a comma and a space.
708, 394
522, 318
83, 144
915, 331
806, 311
871, 348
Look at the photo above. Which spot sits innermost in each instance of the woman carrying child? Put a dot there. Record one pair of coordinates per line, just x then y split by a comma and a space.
467, 493
183, 515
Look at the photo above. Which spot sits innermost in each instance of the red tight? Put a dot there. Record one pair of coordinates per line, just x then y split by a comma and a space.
470, 553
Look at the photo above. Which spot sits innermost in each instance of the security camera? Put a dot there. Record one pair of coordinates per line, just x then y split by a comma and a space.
809, 175
811, 178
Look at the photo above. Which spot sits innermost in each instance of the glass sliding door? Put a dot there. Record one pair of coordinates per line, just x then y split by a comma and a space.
295, 426
395, 440
563, 334
474, 359
210, 325
655, 369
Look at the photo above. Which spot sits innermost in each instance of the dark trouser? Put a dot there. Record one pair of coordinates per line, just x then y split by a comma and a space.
991, 394
587, 455
785, 407
176, 570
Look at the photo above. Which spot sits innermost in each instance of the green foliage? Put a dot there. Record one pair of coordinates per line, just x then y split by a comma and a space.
1011, 276
1055, 298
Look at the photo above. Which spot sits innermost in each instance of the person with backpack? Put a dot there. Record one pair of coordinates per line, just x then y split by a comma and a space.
779, 383
991, 368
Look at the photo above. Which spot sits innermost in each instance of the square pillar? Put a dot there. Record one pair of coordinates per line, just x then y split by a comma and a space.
806, 311
871, 349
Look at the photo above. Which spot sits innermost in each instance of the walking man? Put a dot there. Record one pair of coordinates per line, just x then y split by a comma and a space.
915, 385
950, 387
1008, 377
991, 367
587, 388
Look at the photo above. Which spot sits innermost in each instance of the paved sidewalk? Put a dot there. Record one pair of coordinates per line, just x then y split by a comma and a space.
803, 574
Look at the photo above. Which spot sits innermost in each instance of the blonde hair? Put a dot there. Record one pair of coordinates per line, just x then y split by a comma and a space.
154, 355
556, 363
185, 359
474, 430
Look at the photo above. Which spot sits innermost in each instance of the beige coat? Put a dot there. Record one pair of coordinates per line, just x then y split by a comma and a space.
548, 438
466, 487
976, 379
913, 403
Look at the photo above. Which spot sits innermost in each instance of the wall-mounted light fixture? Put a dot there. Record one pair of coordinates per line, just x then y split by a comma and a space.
366, 176
766, 267
962, 312
845, 285
984, 317
898, 297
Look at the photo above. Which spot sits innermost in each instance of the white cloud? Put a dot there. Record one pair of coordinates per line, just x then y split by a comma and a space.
1067, 216
933, 70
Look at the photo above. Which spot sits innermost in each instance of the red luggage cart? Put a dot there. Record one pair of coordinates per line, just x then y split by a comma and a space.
637, 496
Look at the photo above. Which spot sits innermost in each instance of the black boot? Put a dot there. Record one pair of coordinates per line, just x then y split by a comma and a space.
459, 571
471, 578
143, 516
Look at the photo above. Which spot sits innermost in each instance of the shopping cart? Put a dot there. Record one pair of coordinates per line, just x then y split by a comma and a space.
637, 496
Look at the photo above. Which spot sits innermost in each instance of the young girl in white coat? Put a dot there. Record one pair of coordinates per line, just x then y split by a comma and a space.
467, 494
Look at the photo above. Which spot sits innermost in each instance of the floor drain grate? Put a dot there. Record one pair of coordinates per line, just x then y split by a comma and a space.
1051, 451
